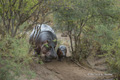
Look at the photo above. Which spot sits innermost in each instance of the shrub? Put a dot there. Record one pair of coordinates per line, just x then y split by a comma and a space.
14, 58
113, 56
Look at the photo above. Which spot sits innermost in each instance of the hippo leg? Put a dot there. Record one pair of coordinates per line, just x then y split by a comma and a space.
47, 59
59, 58
39, 55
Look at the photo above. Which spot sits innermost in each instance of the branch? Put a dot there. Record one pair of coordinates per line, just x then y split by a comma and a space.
21, 22
50, 12
82, 25
1, 1
80, 28
78, 64
34, 6
14, 1
35, 22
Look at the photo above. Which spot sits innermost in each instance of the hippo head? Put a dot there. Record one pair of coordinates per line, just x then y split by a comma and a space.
48, 48
63, 51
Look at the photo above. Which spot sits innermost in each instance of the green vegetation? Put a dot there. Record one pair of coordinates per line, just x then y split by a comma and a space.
112, 55
14, 58
83, 20
16, 18
90, 24
14, 13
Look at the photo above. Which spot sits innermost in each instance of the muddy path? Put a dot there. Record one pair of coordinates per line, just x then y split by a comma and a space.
65, 70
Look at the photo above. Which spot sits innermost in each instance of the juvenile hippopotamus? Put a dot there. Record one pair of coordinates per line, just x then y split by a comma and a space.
61, 52
44, 41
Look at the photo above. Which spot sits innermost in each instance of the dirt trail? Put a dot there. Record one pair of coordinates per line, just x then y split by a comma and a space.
65, 70
70, 71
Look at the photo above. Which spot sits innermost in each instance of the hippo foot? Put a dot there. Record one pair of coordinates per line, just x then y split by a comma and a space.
59, 60
47, 59
53, 57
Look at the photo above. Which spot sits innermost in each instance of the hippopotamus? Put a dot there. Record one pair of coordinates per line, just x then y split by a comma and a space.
44, 40
61, 52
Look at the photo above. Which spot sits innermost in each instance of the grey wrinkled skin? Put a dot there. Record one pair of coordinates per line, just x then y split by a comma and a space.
63, 49
43, 27
44, 36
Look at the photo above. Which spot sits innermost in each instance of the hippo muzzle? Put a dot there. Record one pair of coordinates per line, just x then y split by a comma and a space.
53, 53
63, 54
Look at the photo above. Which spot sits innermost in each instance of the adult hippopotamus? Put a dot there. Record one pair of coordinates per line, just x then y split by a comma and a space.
44, 40
61, 52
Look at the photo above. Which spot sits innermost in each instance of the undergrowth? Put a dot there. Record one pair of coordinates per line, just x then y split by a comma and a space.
14, 59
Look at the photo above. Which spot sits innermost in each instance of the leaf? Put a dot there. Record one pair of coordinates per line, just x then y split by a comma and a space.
54, 40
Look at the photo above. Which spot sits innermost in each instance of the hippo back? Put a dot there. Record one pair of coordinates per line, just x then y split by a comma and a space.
37, 30
47, 36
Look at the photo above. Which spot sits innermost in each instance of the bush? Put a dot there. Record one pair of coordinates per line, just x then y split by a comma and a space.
113, 56
14, 58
